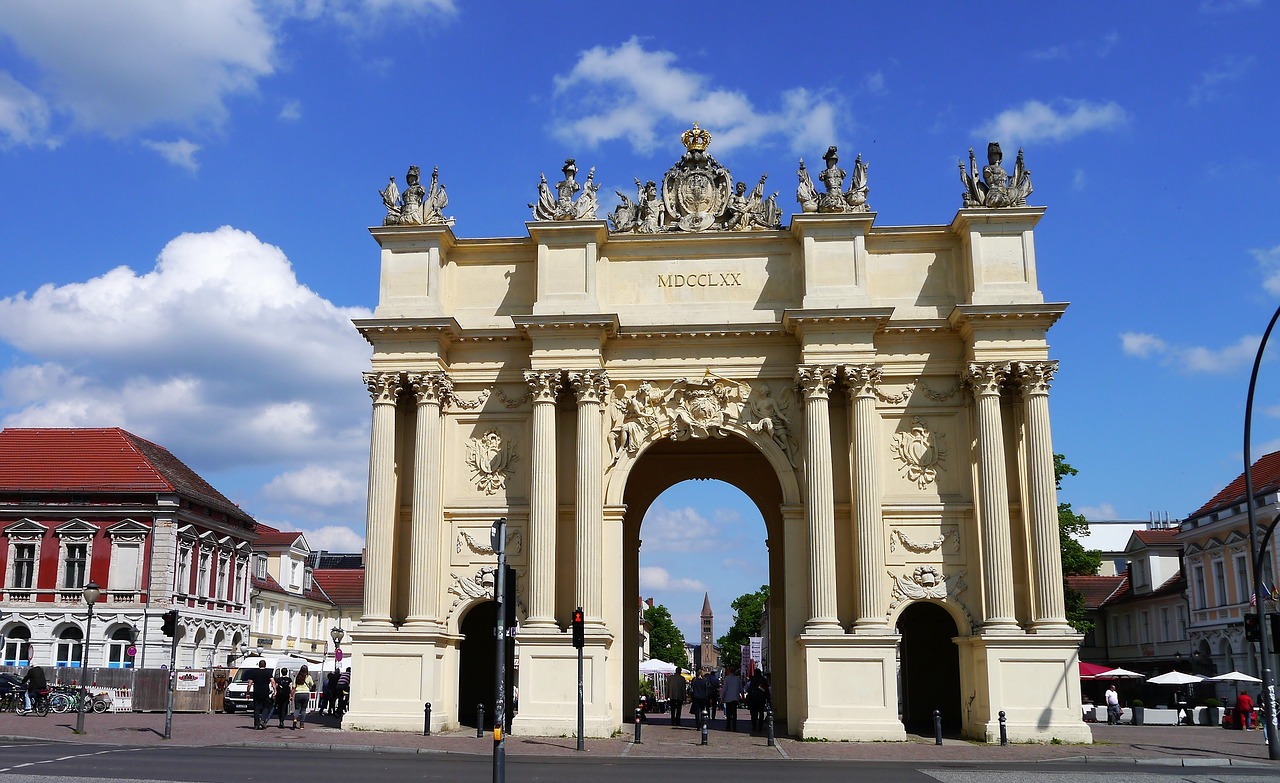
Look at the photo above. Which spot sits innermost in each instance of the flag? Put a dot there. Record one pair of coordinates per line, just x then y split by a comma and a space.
1253, 600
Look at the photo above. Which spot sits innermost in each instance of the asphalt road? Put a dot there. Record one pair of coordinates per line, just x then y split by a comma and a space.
52, 762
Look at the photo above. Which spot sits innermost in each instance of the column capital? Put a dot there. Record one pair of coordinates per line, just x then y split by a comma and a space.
431, 388
384, 387
861, 380
985, 377
815, 380
1035, 377
589, 386
545, 384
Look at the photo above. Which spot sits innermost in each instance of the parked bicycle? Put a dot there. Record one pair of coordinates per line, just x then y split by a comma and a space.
66, 698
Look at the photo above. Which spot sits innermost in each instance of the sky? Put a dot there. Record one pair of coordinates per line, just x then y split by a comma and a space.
187, 186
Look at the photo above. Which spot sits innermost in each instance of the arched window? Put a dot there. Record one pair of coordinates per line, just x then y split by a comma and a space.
70, 647
17, 646
118, 648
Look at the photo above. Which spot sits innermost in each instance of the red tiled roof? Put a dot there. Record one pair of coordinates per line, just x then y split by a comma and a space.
100, 460
1162, 537
314, 593
1266, 478
263, 527
273, 537
1097, 590
1173, 585
344, 585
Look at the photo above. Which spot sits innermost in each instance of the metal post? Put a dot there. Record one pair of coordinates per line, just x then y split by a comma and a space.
937, 727
84, 671
581, 716
500, 698
426, 719
1264, 632
1004, 731
703, 718
480, 720
637, 739
173, 662
770, 742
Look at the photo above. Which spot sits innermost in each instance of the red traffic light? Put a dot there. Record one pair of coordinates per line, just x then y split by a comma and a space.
579, 629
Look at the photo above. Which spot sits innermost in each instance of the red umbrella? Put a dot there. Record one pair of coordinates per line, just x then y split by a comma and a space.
1088, 671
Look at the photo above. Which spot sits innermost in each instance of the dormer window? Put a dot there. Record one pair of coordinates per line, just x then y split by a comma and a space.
306, 579
260, 566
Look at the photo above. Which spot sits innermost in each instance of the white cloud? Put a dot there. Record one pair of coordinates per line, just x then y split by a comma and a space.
1098, 512
1208, 86
1038, 121
675, 529
181, 153
320, 491
874, 83
1191, 359
132, 64
24, 115
656, 578
219, 353
633, 93
333, 538
291, 111
1078, 180
1269, 261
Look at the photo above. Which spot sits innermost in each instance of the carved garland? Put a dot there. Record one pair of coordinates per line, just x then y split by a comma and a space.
897, 535
515, 543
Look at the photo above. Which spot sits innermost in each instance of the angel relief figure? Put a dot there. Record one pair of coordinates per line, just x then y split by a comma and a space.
752, 210
630, 418
770, 417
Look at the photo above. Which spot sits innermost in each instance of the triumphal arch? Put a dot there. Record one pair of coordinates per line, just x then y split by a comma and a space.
880, 392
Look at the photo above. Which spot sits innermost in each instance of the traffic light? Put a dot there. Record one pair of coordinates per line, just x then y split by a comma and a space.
170, 624
579, 629
1251, 631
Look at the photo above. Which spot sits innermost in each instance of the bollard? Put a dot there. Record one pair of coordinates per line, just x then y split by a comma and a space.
937, 727
769, 722
637, 739
480, 720
426, 720
703, 716
1004, 731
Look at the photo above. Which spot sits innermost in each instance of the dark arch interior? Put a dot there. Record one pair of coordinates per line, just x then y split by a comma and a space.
477, 666
930, 668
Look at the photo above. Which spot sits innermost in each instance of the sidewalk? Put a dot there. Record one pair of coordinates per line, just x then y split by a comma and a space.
1145, 744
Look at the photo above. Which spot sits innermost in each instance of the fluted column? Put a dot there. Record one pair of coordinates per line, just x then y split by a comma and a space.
993, 493
1048, 612
430, 390
589, 388
869, 545
820, 513
384, 387
545, 386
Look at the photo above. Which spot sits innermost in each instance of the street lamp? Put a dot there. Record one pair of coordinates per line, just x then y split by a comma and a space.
91, 595
336, 634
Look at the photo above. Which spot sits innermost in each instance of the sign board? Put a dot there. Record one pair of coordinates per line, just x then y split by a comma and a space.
132, 651
757, 649
190, 680
337, 656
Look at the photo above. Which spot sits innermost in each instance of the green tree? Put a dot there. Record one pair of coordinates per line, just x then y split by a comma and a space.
1076, 560
748, 608
666, 643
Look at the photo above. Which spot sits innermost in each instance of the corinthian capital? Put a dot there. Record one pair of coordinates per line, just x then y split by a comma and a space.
1035, 377
815, 379
544, 384
861, 380
589, 385
431, 387
985, 377
383, 387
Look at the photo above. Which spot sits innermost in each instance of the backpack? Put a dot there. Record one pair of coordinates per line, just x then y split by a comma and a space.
282, 684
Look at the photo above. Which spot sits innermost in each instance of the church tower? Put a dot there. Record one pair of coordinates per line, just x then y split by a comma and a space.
710, 660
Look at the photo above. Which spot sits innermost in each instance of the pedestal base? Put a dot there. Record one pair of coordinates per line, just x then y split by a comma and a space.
851, 688
395, 672
1034, 679
549, 686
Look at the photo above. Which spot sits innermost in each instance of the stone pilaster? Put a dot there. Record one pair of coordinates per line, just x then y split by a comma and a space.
431, 390
1048, 609
993, 494
869, 539
815, 380
384, 387
590, 388
545, 386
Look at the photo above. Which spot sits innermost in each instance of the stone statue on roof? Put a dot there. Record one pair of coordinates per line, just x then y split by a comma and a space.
995, 188
559, 204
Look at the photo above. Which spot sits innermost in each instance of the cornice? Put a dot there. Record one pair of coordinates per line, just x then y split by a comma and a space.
446, 327
827, 224
707, 330
441, 234
544, 324
800, 319
967, 219
987, 316
568, 232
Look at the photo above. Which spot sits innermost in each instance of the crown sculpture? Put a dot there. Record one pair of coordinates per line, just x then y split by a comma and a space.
995, 188
698, 194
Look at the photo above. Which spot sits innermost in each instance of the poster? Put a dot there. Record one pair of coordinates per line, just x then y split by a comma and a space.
190, 680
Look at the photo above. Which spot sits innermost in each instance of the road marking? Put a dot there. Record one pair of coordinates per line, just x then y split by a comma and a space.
68, 758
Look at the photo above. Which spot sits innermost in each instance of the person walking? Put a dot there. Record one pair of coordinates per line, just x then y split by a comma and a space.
1244, 712
282, 696
757, 697
302, 687
1113, 705
730, 692
331, 691
262, 687
675, 695
698, 694
713, 694
344, 692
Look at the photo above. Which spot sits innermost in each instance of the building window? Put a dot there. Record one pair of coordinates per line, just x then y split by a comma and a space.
202, 577
275, 621
182, 583
1139, 573
118, 656
238, 596
1115, 629
260, 566
1146, 627
77, 564
24, 566
1219, 583
1164, 625
17, 646
1201, 602
1182, 623
126, 562
1242, 579
70, 648
258, 617
1128, 629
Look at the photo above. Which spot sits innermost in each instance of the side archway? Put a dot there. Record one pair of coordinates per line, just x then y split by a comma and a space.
929, 674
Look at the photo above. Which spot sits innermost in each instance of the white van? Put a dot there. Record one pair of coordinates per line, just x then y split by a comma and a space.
239, 693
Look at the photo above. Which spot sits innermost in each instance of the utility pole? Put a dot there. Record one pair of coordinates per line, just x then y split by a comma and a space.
170, 628
500, 698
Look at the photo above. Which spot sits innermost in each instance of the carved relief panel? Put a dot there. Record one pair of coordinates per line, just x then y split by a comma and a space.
487, 458
924, 458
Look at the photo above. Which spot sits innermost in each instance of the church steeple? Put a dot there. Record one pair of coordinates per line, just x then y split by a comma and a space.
708, 658
706, 604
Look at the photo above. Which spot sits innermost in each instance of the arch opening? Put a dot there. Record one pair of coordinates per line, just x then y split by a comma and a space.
929, 674
477, 666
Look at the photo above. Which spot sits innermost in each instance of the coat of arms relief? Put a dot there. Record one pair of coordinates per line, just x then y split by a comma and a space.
490, 457
920, 452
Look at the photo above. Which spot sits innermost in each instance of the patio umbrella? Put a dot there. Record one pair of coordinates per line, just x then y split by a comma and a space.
1234, 677
1090, 671
1118, 674
1175, 678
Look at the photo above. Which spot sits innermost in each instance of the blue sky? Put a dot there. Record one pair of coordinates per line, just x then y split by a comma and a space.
186, 187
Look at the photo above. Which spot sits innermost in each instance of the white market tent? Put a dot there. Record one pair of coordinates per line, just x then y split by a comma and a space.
655, 666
